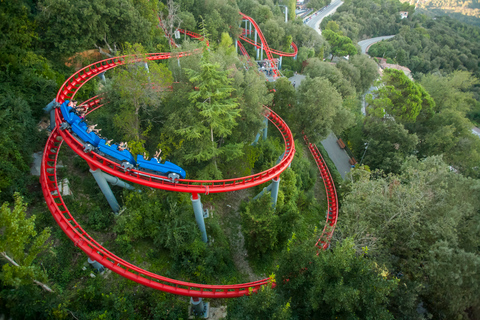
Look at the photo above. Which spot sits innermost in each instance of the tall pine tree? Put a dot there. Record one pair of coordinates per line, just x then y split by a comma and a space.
213, 113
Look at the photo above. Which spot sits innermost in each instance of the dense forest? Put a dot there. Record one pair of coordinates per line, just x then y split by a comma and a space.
465, 11
407, 239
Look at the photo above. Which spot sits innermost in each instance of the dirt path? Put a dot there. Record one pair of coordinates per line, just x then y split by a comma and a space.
228, 211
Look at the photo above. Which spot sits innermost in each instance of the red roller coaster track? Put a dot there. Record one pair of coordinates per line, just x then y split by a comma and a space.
266, 48
94, 250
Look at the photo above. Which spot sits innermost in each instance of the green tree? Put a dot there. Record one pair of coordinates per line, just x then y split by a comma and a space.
368, 71
264, 304
317, 68
341, 45
68, 27
447, 129
260, 225
20, 245
408, 221
315, 115
136, 93
389, 143
400, 97
213, 113
337, 283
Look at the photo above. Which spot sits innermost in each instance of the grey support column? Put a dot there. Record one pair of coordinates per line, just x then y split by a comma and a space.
52, 119
198, 210
116, 182
107, 192
261, 52
199, 308
102, 76
256, 49
50, 108
146, 67
280, 63
254, 143
98, 266
236, 46
265, 130
275, 187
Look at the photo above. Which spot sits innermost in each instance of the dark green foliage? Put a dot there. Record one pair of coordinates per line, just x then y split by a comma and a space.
389, 143
416, 223
168, 221
335, 284
68, 27
27, 84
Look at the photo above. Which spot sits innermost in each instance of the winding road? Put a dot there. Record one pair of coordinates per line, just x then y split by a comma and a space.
316, 20
365, 44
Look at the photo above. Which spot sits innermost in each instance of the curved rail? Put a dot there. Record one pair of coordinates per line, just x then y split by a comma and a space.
86, 243
332, 199
93, 249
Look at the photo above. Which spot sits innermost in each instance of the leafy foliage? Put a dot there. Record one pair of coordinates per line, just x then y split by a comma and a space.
20, 244
408, 221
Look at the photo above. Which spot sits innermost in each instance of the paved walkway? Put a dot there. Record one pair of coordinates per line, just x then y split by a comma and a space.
338, 155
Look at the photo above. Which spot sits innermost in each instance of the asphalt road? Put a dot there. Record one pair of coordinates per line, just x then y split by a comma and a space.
364, 44
315, 21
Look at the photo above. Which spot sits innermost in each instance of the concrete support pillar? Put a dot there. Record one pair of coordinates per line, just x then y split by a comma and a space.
254, 143
265, 130
50, 108
280, 63
52, 119
236, 46
274, 193
198, 210
199, 308
273, 188
117, 182
256, 49
261, 52
250, 27
99, 267
102, 76
107, 192
146, 67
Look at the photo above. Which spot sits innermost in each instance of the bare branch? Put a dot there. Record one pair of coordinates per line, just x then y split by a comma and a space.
43, 285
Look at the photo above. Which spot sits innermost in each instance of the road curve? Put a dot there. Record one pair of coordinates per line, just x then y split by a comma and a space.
316, 20
365, 44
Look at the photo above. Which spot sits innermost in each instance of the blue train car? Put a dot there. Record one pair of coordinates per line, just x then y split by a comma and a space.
112, 151
70, 117
168, 169
80, 129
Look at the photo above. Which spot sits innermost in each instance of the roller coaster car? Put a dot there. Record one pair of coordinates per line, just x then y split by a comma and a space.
124, 157
168, 169
70, 117
80, 129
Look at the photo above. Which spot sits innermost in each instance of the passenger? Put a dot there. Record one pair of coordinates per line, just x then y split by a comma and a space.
122, 146
145, 157
157, 155
109, 142
91, 128
81, 115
